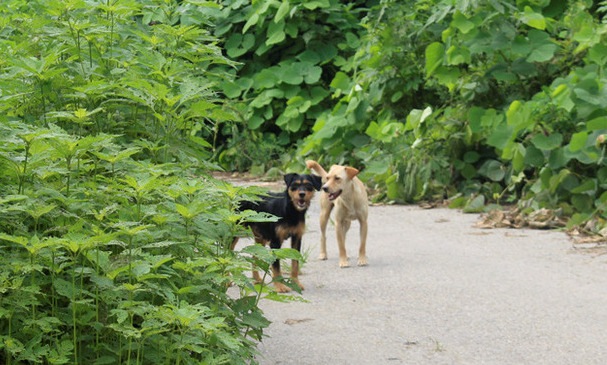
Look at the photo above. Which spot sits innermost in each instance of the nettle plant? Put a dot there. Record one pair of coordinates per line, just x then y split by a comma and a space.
124, 263
114, 236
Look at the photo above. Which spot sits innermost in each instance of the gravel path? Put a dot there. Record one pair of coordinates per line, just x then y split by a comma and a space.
439, 291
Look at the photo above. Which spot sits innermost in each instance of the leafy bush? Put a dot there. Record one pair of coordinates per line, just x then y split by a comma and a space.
493, 99
114, 235
289, 53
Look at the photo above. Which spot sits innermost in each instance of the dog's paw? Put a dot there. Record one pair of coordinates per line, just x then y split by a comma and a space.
301, 287
281, 288
344, 263
322, 256
362, 261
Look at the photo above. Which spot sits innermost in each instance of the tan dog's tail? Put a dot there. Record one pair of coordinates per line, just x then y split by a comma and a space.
315, 166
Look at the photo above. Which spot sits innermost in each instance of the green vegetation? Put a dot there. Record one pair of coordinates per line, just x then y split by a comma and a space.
114, 237
476, 101
114, 113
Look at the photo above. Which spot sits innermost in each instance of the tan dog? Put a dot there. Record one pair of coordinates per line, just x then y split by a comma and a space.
344, 191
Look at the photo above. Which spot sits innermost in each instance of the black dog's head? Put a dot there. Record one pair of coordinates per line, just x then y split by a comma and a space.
301, 189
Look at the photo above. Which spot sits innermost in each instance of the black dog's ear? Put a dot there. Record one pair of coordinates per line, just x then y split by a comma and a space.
289, 178
316, 181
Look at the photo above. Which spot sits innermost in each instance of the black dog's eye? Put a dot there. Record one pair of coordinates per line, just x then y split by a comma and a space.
305, 186
309, 187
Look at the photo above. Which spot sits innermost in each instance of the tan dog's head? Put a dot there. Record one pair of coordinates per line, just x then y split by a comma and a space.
338, 179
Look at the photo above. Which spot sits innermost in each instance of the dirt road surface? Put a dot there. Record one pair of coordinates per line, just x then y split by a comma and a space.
439, 291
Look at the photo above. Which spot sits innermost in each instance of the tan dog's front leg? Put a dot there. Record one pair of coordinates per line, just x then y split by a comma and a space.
341, 229
362, 251
324, 220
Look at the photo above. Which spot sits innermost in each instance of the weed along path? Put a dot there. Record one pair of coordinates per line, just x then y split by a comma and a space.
439, 291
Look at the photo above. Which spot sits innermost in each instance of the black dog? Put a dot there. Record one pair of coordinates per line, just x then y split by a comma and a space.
290, 207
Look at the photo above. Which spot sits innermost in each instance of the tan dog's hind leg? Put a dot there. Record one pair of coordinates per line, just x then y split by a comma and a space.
362, 251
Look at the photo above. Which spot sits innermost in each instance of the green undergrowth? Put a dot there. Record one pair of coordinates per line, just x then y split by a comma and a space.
477, 102
114, 236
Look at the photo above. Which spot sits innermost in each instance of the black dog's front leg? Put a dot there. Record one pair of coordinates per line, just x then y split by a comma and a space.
296, 245
276, 274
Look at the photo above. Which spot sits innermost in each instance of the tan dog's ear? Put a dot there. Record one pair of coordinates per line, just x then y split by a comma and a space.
351, 172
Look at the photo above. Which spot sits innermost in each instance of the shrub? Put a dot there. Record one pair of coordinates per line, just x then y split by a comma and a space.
114, 236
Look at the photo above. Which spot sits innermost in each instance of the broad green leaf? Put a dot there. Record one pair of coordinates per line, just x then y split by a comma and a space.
294, 124
471, 157
534, 156
543, 47
558, 159
309, 56
312, 75
522, 67
267, 78
493, 170
597, 124
582, 202
185, 211
261, 253
352, 40
275, 33
282, 11
458, 55
461, 22
65, 288
468, 171
255, 122
448, 76
291, 74
587, 187
598, 54
542, 53
314, 4
318, 94
416, 117
547, 143
341, 81
501, 136
251, 22
593, 97
288, 253
586, 34
434, 57
518, 157
475, 205
578, 141
521, 46
533, 19
266, 97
